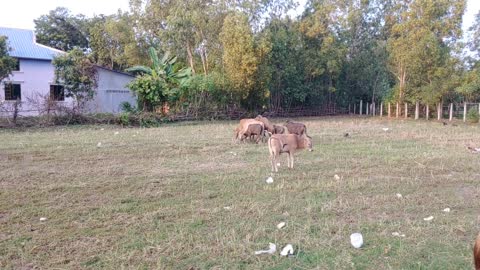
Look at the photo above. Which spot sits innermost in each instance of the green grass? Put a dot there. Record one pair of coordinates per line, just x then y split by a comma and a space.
154, 198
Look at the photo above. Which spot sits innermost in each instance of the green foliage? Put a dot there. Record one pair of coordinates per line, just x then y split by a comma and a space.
61, 30
113, 41
239, 56
419, 47
7, 63
472, 115
160, 83
78, 74
127, 107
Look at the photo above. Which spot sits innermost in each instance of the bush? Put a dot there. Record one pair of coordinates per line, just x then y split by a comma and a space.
472, 115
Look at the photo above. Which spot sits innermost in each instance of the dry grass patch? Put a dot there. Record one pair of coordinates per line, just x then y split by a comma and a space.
183, 196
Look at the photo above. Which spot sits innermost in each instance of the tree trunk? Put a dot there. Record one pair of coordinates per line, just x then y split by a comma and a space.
190, 57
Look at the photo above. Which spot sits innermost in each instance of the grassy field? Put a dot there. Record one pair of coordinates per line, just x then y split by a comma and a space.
183, 196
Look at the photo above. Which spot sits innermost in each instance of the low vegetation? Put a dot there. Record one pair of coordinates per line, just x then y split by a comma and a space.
183, 197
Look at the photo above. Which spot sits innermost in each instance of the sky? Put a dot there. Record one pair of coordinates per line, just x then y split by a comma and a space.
21, 13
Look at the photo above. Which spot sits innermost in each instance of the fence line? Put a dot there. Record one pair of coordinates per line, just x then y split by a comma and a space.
442, 111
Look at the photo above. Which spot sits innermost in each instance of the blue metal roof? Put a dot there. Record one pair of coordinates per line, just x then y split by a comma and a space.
23, 45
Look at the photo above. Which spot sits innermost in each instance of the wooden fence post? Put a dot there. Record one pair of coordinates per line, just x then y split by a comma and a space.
389, 111
406, 110
417, 110
451, 112
361, 105
464, 111
381, 109
439, 111
398, 111
427, 111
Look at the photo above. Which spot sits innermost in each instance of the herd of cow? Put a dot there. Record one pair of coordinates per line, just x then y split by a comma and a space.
288, 138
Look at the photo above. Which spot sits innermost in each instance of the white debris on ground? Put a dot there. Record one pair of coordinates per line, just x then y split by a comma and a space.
43, 219
399, 195
272, 248
398, 234
428, 218
281, 225
99, 144
278, 164
227, 208
233, 153
269, 180
336, 177
356, 239
116, 133
102, 129
385, 129
446, 210
287, 250
474, 149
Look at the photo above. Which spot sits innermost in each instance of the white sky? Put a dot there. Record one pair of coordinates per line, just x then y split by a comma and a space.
21, 13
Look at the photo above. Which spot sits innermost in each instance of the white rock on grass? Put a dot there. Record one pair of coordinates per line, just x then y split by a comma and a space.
399, 195
398, 234
227, 208
116, 133
43, 219
99, 144
287, 250
278, 164
336, 177
281, 225
272, 248
356, 239
269, 180
428, 218
446, 210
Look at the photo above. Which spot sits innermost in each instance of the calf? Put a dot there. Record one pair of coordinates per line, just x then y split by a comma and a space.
243, 126
252, 131
296, 128
287, 143
268, 125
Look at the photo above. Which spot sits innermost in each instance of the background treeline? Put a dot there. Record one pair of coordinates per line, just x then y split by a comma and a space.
250, 54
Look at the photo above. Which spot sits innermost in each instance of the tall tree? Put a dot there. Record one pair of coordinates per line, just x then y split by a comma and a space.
62, 30
239, 56
420, 44
113, 42
7, 63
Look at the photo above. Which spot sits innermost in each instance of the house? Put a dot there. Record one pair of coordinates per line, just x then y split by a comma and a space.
33, 79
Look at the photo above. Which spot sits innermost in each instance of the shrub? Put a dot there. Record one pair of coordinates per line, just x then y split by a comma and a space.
472, 115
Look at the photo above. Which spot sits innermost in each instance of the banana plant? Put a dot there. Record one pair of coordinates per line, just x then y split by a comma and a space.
161, 82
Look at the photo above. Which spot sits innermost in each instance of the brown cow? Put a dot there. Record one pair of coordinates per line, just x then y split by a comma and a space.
287, 143
296, 128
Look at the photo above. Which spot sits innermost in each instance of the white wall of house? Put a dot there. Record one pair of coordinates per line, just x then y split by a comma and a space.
111, 91
35, 78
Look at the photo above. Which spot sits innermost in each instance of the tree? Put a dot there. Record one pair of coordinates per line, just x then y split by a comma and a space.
239, 57
7, 63
113, 42
420, 45
78, 74
159, 83
61, 30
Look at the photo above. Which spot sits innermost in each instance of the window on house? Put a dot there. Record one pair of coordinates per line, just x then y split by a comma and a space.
57, 92
17, 65
12, 91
